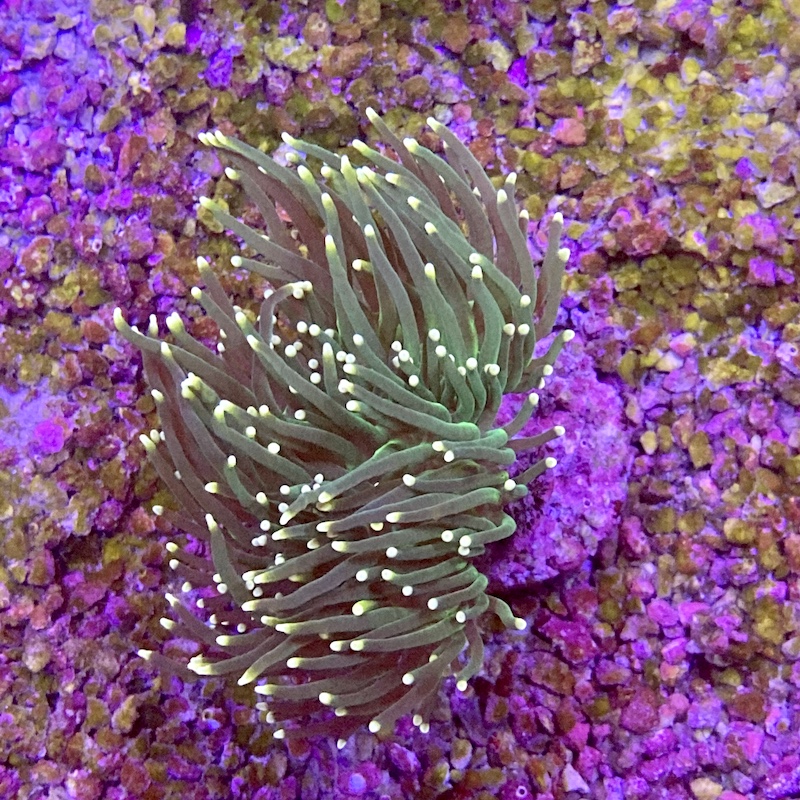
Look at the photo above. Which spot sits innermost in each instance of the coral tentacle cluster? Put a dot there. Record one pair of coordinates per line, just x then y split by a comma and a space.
339, 453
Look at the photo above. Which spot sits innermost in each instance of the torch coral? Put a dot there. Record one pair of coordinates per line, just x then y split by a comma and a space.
339, 453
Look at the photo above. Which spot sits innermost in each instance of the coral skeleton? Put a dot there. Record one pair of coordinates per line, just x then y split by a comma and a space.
339, 454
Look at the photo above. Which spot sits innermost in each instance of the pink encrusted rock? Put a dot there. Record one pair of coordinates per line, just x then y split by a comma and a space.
673, 652
642, 237
115, 278
747, 738
569, 131
360, 780
404, 759
73, 101
610, 674
671, 673
640, 586
573, 638
82, 785
783, 780
574, 507
43, 149
635, 788
220, 70
624, 20
683, 344
48, 437
662, 612
763, 229
761, 271
578, 735
614, 788
687, 610
656, 769
636, 628
581, 600
9, 83
135, 240
683, 379
660, 743
634, 538
684, 14
674, 708
761, 413
685, 761
640, 715
37, 212
118, 198
705, 713
85, 595
590, 760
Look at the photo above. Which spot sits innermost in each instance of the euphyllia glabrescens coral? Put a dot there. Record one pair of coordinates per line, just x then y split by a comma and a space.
338, 453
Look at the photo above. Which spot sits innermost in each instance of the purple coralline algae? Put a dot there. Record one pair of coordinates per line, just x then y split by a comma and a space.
659, 567
577, 505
